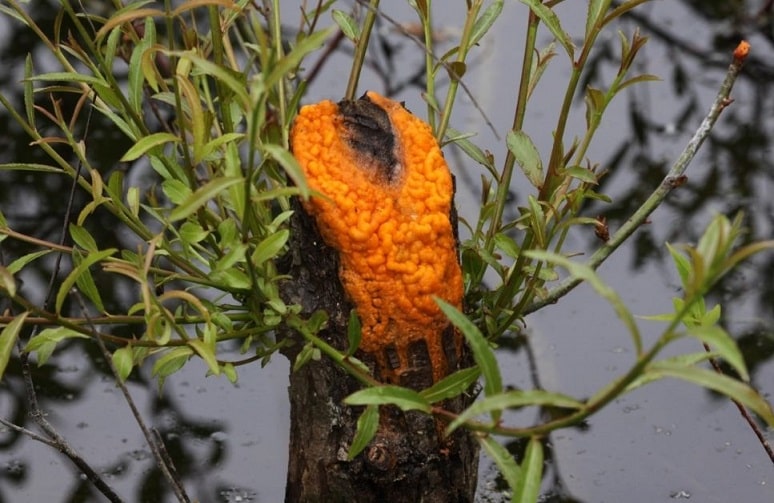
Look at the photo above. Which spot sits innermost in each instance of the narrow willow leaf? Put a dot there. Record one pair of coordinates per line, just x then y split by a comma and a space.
347, 24
123, 361
725, 346
290, 165
503, 459
207, 354
507, 245
514, 399
451, 385
682, 264
482, 352
528, 488
30, 166
8, 340
288, 64
270, 247
485, 21
585, 273
595, 15
304, 356
7, 281
86, 284
472, 150
527, 156
723, 384
19, 264
82, 238
404, 398
230, 372
202, 196
170, 362
551, 21
146, 143
683, 360
639, 78
367, 425
44, 343
354, 333
69, 281
68, 77
582, 174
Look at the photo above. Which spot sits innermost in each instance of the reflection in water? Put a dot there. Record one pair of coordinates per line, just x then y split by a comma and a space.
734, 173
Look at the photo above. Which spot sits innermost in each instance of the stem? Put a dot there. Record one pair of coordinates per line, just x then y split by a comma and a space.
360, 49
454, 82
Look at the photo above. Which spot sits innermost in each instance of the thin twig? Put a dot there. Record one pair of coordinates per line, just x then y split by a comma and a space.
400, 28
161, 461
743, 411
722, 100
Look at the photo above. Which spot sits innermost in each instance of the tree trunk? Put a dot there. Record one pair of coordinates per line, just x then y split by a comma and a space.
407, 460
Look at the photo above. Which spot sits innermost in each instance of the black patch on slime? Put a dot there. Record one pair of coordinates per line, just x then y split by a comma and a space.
370, 133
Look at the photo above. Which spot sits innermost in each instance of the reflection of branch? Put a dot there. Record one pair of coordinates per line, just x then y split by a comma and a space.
722, 100
162, 459
55, 439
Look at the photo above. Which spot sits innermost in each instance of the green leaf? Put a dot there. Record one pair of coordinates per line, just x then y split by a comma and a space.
171, 362
367, 425
8, 340
582, 174
503, 459
639, 78
85, 283
404, 398
596, 13
307, 353
472, 150
289, 63
527, 156
725, 346
588, 275
123, 361
82, 238
146, 143
682, 264
528, 488
347, 24
207, 353
485, 21
507, 245
551, 21
482, 353
723, 384
30, 166
19, 264
290, 165
270, 247
513, 399
202, 196
451, 385
46, 340
69, 281
7, 281
354, 333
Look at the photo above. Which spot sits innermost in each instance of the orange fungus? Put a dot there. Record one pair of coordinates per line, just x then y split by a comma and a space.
383, 201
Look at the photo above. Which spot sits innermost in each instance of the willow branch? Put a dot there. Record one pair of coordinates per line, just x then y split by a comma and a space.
722, 100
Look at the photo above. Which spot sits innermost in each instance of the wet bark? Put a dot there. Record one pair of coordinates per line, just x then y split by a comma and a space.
408, 460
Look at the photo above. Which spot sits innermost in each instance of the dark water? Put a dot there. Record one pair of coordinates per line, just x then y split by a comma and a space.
668, 441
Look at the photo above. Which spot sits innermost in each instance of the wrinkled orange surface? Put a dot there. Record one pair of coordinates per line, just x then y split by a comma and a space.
395, 240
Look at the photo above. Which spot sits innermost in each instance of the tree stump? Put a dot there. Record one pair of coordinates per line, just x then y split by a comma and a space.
409, 459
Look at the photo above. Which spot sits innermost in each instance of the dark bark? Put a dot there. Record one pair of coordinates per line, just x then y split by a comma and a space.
408, 460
